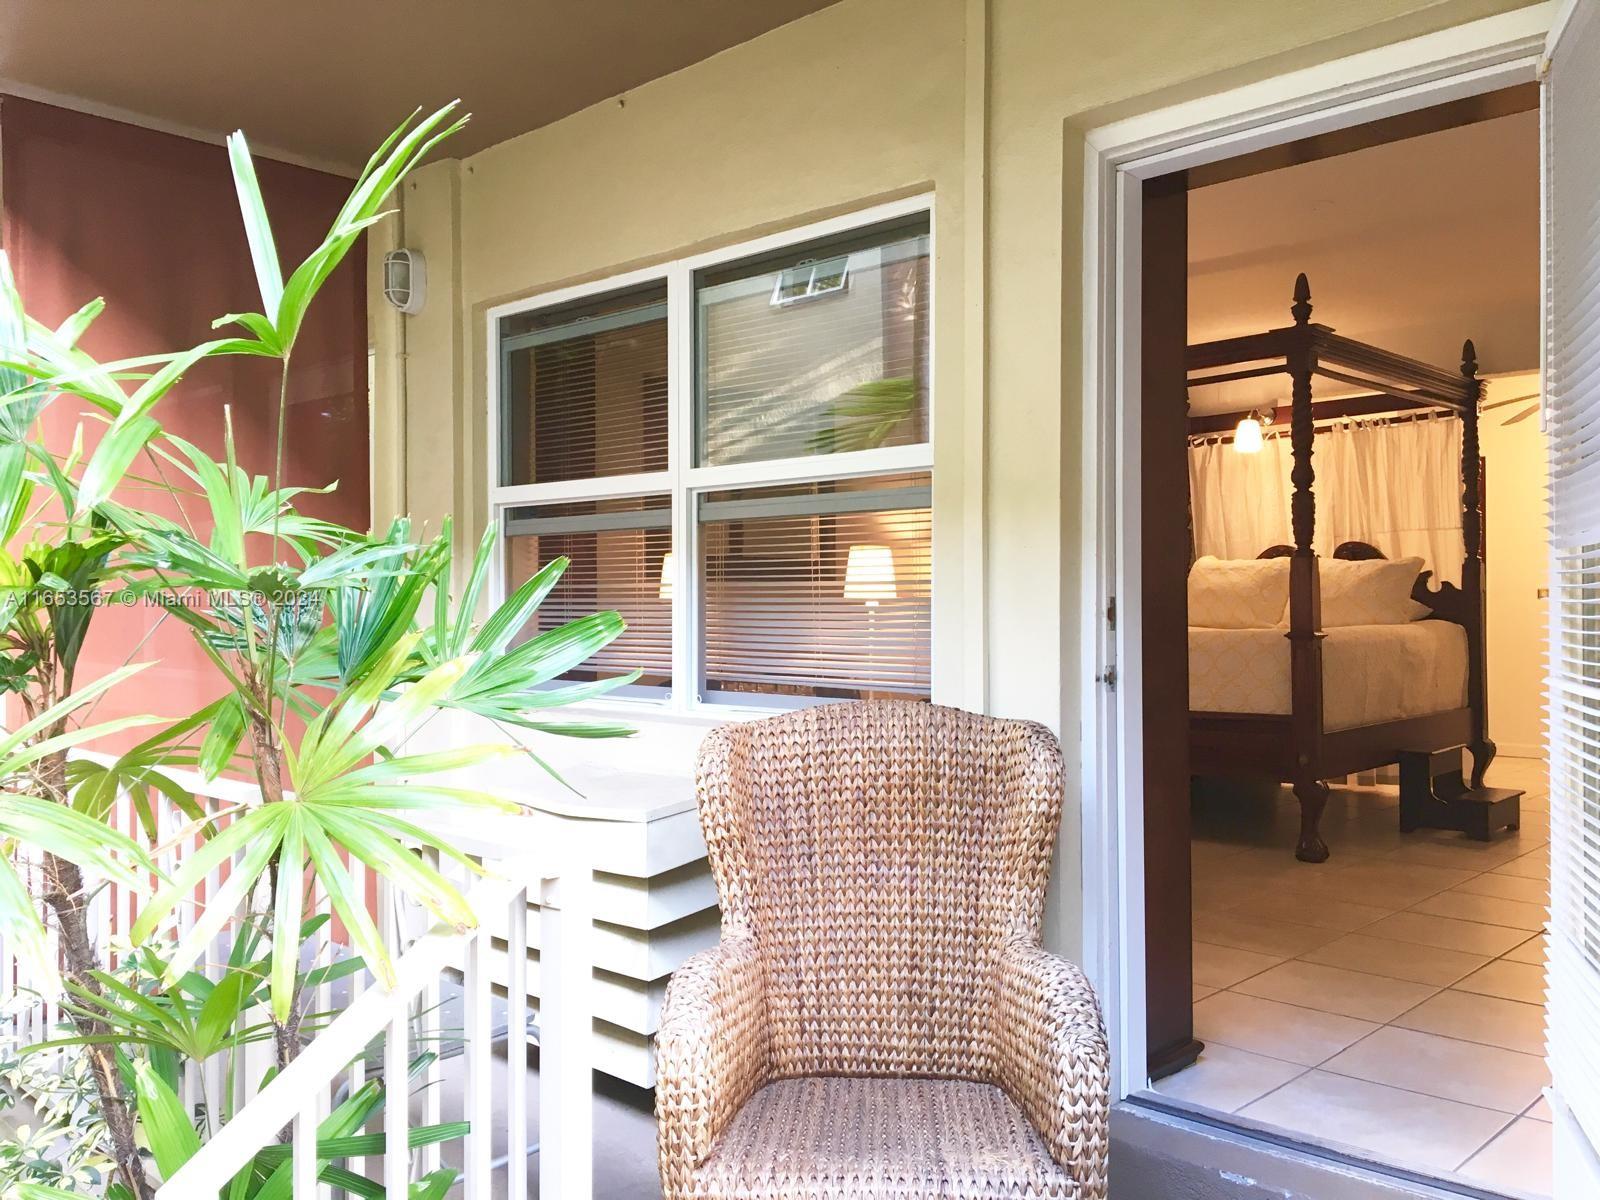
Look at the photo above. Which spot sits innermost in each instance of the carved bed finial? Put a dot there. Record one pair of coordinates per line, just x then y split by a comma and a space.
1469, 359
1300, 310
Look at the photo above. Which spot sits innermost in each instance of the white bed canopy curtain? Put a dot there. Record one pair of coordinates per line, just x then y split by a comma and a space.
1395, 484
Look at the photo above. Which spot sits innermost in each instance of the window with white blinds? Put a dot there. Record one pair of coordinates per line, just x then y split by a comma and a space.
1572, 175
817, 349
584, 389
734, 453
818, 589
619, 552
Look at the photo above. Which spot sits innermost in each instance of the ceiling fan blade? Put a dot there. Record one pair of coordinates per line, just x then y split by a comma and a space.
1509, 401
1521, 416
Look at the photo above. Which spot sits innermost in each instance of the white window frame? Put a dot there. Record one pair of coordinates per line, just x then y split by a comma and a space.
682, 481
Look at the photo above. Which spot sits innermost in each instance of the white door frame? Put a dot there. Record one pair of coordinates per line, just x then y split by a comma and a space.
1467, 60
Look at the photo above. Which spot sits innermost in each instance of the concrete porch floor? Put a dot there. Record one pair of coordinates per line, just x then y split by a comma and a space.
1152, 1155
624, 1132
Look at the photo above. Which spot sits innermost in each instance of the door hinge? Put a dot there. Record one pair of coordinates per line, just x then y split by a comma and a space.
1111, 613
1108, 677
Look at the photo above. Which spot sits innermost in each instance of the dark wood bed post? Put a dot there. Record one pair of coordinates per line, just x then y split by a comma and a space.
1472, 581
1305, 590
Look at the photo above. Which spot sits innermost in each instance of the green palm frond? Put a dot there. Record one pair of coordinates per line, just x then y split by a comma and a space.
46, 826
284, 303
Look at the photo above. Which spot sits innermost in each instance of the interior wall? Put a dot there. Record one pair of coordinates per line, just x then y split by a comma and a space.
1396, 251
1516, 569
983, 102
150, 222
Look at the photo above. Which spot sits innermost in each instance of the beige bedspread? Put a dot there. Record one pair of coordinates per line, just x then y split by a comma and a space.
1371, 673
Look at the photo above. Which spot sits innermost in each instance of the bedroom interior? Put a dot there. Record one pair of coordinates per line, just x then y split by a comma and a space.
1364, 505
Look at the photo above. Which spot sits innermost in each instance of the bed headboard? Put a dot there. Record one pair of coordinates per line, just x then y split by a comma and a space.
1447, 601
1354, 551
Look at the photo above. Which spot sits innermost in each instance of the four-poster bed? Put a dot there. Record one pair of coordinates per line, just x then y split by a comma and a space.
1300, 746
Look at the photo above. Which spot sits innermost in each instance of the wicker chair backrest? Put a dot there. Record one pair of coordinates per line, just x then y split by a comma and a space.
881, 854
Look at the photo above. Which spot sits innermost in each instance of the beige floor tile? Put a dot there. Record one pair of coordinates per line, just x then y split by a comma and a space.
1535, 825
1469, 937
1467, 1072
1359, 841
1281, 1031
1225, 1079
1341, 916
1202, 851
1224, 966
1519, 1160
1335, 990
1418, 1131
1513, 770
1201, 992
1539, 1110
1216, 894
1382, 882
1470, 1017
1261, 934
1259, 862
1508, 887
1507, 980
1491, 910
1454, 850
1397, 960
1531, 951
1533, 866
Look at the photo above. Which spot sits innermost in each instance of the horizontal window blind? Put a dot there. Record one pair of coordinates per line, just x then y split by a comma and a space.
820, 350
1573, 415
620, 561
817, 590
584, 389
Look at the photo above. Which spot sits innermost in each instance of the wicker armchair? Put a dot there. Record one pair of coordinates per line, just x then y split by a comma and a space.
879, 1020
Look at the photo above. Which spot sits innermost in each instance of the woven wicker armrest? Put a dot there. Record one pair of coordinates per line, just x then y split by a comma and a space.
712, 1053
1051, 1058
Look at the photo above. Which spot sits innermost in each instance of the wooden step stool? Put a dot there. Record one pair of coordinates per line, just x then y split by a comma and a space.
1434, 795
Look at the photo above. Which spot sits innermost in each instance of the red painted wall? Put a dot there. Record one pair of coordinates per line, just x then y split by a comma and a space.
149, 221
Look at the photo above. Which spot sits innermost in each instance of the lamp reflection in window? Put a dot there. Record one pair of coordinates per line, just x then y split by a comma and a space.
668, 565
869, 574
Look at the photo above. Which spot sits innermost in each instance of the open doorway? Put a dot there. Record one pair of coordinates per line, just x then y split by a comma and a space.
1357, 959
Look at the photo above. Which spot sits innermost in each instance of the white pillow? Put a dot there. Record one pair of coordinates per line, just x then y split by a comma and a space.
1238, 593
1370, 592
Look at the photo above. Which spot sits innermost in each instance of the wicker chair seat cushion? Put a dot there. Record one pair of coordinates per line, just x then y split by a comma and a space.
854, 1138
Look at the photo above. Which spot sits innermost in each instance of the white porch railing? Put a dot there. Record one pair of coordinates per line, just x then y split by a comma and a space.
299, 1098
403, 1022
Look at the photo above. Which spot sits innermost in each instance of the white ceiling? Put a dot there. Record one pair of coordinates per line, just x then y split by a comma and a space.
1414, 245
325, 81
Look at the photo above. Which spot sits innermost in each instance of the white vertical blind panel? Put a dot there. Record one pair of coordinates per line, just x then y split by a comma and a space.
1572, 115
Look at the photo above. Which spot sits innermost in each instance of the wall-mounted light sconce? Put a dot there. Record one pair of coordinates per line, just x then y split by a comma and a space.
1247, 435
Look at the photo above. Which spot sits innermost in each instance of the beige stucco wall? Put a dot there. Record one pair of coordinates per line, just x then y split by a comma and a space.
982, 102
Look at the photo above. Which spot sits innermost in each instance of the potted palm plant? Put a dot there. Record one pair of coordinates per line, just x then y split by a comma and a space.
330, 643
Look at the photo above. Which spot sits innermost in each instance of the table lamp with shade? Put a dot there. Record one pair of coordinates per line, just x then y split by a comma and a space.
869, 574
869, 578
